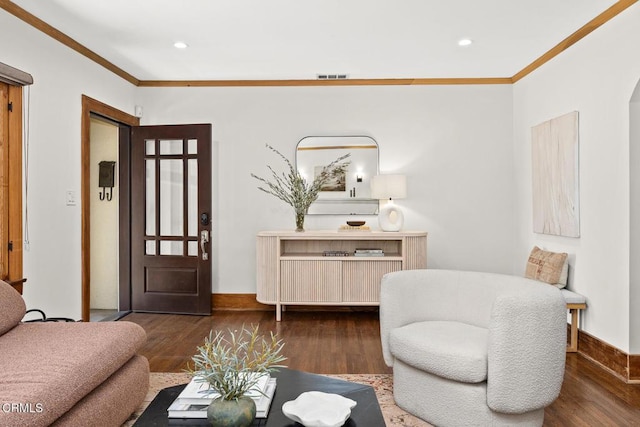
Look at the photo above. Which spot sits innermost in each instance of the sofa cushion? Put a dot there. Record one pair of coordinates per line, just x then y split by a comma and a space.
572, 297
452, 350
12, 308
58, 364
113, 401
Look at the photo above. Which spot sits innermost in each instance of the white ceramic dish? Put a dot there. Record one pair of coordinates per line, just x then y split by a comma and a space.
319, 409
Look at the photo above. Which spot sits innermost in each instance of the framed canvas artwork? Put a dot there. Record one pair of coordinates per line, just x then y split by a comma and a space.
554, 155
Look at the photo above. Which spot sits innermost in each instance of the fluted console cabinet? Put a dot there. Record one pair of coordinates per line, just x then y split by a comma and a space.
292, 270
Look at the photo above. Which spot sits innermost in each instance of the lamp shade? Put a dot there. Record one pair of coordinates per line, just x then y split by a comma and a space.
389, 187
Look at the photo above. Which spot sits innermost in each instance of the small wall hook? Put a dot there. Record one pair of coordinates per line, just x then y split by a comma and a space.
106, 179
104, 195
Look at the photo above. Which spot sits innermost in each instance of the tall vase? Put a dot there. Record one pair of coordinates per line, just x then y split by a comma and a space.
232, 413
300, 219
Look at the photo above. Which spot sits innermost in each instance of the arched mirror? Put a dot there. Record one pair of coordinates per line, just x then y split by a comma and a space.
348, 195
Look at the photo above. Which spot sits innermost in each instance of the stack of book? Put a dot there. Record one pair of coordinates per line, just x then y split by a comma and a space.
335, 253
354, 228
193, 401
368, 252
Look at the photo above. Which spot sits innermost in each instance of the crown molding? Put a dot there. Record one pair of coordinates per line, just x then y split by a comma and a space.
347, 82
565, 44
586, 29
58, 35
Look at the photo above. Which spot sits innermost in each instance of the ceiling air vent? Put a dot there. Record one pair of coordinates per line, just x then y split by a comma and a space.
332, 76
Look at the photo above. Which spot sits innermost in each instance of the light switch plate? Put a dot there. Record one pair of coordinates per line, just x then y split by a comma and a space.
71, 198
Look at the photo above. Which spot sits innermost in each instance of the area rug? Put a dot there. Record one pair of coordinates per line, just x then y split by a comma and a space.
381, 383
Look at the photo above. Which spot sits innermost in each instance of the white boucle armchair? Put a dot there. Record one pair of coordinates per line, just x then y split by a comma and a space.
473, 349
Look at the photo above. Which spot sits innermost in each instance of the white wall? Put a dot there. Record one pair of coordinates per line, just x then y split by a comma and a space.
52, 263
596, 77
634, 250
104, 219
465, 149
453, 142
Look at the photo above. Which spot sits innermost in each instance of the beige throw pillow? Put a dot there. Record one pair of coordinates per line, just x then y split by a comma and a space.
548, 267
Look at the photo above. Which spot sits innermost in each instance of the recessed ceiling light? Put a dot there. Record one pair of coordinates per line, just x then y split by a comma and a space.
180, 45
464, 42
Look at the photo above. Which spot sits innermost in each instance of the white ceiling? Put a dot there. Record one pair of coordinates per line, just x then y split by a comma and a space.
298, 39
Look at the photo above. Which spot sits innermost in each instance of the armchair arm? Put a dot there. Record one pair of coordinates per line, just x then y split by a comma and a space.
526, 349
12, 307
405, 297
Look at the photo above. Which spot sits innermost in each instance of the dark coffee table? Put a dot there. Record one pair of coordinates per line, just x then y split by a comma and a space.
289, 386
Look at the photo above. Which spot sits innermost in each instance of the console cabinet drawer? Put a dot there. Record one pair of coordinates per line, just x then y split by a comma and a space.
310, 281
361, 280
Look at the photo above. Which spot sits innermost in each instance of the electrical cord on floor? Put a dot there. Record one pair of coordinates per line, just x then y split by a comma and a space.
45, 318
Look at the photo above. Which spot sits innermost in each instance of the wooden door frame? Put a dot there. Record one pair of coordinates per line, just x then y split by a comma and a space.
89, 106
13, 181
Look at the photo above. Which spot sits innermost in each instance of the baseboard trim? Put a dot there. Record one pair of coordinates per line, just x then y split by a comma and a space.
620, 364
238, 302
634, 368
249, 302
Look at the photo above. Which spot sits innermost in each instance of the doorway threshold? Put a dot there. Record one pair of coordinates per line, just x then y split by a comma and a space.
101, 315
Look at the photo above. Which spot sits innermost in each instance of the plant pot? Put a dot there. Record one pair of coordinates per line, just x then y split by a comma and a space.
232, 413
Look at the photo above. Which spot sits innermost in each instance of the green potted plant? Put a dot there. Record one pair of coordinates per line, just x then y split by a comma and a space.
296, 191
232, 364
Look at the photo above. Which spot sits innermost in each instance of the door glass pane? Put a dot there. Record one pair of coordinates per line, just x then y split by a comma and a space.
150, 196
170, 146
171, 198
170, 247
192, 248
192, 146
150, 247
192, 209
150, 147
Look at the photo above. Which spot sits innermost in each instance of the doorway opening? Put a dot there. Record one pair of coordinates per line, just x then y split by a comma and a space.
162, 254
105, 121
104, 204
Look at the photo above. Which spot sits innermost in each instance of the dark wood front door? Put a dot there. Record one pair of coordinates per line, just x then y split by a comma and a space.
171, 219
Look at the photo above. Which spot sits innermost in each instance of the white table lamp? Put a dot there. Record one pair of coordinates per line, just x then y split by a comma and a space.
389, 187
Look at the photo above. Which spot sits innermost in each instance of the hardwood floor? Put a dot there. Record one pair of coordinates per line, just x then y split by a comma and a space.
319, 342
349, 342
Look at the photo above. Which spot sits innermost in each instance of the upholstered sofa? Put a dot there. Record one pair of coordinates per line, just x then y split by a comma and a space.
67, 374
473, 349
